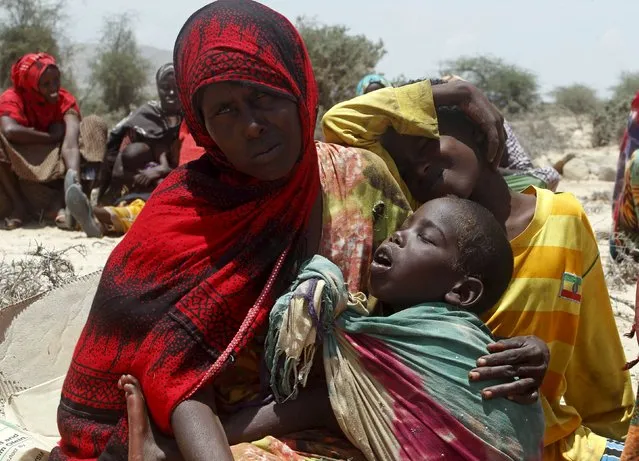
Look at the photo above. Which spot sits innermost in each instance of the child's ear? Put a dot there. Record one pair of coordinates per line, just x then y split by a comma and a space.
466, 293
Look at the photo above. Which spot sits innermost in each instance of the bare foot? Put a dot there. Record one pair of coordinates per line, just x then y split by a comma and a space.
139, 424
145, 444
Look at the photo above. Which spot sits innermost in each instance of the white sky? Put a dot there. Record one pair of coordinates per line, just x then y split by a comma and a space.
562, 41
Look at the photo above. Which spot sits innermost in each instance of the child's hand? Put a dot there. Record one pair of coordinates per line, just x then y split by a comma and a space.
523, 358
146, 178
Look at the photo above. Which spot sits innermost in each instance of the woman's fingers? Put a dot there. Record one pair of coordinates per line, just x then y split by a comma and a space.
509, 343
507, 357
507, 372
490, 373
522, 359
525, 388
527, 399
521, 349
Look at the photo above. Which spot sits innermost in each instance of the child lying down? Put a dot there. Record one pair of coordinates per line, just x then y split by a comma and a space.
397, 383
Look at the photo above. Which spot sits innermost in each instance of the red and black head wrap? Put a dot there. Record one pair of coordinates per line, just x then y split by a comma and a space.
243, 41
194, 278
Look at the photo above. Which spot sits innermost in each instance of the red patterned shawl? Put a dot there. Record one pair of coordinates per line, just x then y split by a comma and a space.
193, 279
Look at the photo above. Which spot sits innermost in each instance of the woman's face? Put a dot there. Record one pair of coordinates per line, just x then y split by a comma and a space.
49, 84
259, 132
167, 92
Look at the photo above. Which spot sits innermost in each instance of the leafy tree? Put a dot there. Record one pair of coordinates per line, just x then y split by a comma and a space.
511, 88
577, 98
119, 69
610, 122
339, 59
627, 87
29, 26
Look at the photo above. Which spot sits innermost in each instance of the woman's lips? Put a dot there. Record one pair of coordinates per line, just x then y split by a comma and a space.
268, 154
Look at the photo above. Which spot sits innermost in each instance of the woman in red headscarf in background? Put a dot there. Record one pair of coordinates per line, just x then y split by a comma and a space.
41, 136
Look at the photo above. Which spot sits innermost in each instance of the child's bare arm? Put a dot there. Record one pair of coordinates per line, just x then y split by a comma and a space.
200, 435
312, 409
198, 431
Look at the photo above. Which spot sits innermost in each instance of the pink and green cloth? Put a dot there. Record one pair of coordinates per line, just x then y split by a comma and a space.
398, 385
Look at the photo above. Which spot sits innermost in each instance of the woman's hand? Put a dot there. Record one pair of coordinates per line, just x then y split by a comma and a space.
479, 109
523, 358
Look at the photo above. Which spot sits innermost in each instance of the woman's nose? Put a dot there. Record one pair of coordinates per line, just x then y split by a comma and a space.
254, 128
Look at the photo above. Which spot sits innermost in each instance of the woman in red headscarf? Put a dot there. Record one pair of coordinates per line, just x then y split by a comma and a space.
184, 299
40, 132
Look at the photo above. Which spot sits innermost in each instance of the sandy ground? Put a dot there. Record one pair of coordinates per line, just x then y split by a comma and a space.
90, 255
87, 255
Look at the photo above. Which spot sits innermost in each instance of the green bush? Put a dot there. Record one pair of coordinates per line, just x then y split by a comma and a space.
512, 89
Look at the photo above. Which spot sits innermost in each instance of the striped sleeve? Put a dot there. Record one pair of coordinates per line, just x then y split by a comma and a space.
596, 385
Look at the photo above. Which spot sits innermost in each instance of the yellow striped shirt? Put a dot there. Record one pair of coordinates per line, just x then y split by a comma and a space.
558, 292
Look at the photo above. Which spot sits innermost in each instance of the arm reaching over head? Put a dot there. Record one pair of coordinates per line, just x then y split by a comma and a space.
361, 122
410, 110
480, 110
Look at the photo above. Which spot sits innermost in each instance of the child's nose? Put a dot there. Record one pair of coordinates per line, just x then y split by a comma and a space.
396, 238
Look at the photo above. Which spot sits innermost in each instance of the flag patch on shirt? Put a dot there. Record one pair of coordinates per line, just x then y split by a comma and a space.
571, 287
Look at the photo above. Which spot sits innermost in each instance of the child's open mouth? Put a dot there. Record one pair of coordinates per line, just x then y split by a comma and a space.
383, 258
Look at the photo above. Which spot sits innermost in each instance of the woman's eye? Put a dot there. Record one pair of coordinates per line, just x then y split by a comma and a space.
262, 98
223, 110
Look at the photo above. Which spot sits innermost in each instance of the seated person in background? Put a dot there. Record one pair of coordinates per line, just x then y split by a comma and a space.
558, 292
518, 170
625, 231
119, 218
370, 83
140, 149
42, 140
448, 262
628, 145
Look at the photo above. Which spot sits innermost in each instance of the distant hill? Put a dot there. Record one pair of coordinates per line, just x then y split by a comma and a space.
85, 53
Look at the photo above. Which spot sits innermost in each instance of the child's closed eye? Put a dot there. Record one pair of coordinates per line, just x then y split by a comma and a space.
425, 239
